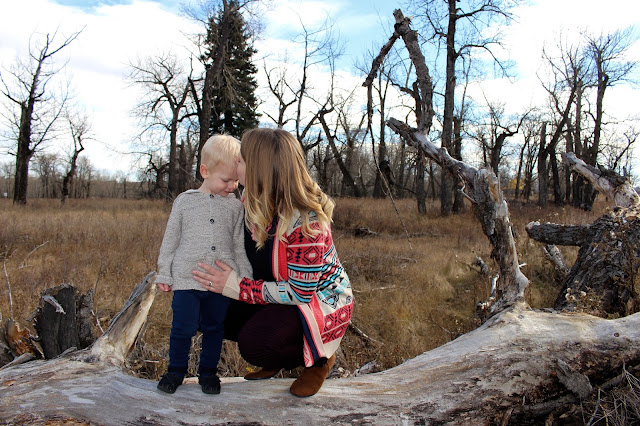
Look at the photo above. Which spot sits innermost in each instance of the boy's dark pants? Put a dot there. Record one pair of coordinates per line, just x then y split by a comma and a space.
195, 310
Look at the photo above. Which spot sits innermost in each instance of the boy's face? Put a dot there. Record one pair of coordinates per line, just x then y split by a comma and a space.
220, 180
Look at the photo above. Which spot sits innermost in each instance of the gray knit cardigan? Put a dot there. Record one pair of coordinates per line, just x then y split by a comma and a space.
202, 228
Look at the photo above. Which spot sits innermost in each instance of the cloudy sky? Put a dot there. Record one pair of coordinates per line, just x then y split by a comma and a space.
116, 32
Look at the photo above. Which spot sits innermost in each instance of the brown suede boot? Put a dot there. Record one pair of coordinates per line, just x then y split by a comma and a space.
261, 374
312, 378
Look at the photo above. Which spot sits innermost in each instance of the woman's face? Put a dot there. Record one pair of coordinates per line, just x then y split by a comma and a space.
241, 166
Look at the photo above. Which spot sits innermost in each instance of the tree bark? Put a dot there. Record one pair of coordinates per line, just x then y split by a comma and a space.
543, 154
601, 281
447, 182
23, 158
78, 135
63, 320
555, 257
379, 187
558, 199
458, 196
421, 196
346, 173
562, 235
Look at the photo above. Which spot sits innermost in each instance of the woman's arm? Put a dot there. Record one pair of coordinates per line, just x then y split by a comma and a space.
305, 264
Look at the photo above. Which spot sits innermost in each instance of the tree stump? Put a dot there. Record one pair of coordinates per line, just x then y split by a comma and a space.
601, 281
63, 320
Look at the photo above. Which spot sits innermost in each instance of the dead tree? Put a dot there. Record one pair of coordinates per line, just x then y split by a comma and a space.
165, 105
36, 108
79, 128
601, 281
483, 185
347, 178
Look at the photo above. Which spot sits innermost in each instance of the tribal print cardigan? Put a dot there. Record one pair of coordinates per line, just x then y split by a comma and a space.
308, 274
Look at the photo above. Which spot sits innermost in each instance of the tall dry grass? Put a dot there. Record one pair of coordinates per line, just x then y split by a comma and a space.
413, 276
108, 245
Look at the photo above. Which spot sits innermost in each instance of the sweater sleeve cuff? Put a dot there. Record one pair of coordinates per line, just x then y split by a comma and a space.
232, 286
164, 279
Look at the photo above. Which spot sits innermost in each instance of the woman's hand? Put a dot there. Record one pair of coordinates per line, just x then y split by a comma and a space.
213, 279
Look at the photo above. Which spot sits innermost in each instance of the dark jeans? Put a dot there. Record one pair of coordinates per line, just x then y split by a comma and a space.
268, 336
195, 310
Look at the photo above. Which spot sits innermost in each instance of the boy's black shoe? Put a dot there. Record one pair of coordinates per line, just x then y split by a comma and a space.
210, 384
170, 382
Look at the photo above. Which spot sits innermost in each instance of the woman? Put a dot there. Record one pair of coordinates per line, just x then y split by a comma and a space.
298, 305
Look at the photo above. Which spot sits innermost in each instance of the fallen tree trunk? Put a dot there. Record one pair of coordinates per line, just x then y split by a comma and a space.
519, 365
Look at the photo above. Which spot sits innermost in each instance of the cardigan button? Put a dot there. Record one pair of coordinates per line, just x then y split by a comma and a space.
213, 248
211, 220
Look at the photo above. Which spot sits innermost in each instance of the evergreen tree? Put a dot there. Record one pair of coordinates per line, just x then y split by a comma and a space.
233, 92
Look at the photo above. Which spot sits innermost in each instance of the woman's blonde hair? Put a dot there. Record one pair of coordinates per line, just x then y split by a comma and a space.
277, 182
223, 149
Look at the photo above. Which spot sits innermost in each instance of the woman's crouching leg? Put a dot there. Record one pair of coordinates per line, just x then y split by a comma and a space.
272, 338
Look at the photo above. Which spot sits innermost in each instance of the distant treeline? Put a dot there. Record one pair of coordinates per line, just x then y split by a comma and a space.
109, 187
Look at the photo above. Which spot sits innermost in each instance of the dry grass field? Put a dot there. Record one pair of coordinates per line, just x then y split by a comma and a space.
413, 275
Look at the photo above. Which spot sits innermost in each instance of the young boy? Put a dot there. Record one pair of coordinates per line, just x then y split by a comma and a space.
205, 225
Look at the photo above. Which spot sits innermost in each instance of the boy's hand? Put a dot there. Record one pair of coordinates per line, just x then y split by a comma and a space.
163, 287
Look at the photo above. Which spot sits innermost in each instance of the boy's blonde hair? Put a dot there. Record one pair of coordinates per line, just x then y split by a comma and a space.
277, 182
220, 149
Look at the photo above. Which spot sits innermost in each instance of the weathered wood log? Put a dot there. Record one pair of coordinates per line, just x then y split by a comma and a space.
617, 188
120, 337
602, 279
560, 235
17, 344
520, 364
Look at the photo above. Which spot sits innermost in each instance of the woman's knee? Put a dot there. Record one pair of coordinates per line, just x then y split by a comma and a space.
272, 340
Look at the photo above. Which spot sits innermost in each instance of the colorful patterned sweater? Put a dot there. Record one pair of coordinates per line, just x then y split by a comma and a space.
308, 274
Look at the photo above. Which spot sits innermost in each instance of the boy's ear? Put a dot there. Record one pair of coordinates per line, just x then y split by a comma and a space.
204, 171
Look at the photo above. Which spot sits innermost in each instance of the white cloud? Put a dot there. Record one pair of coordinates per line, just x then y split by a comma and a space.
540, 24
